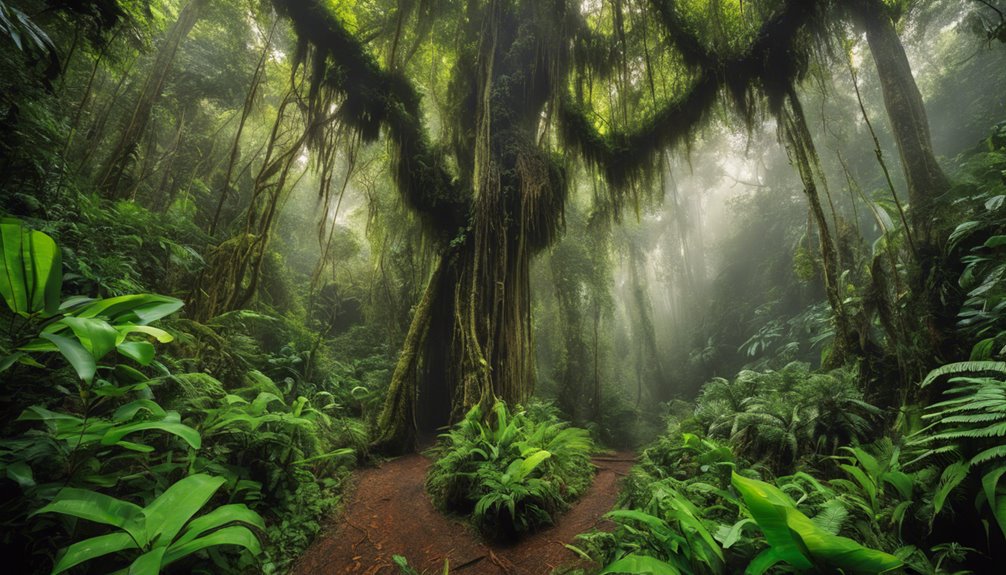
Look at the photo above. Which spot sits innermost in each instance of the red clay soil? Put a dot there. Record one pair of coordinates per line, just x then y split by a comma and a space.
389, 513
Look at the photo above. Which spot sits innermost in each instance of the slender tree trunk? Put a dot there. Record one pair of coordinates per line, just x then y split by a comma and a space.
246, 110
801, 147
134, 129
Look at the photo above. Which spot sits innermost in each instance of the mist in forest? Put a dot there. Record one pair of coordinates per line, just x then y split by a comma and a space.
604, 286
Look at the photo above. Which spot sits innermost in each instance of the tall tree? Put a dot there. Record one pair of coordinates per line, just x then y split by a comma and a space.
906, 112
493, 196
135, 126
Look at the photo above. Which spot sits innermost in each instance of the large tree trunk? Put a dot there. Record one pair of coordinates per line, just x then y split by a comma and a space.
926, 180
470, 339
907, 115
118, 161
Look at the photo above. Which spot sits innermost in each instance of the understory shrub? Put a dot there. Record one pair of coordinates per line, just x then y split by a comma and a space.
511, 472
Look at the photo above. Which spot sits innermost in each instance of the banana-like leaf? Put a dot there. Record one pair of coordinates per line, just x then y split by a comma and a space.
797, 540
167, 514
640, 565
99, 508
78, 357
31, 270
990, 486
149, 563
157, 333
92, 548
219, 517
190, 435
142, 352
233, 535
129, 410
96, 335
768, 508
531, 463
658, 526
138, 309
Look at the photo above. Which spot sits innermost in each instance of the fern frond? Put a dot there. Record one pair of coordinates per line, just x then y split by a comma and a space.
964, 367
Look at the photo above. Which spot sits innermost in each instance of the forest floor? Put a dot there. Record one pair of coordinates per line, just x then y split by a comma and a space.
388, 512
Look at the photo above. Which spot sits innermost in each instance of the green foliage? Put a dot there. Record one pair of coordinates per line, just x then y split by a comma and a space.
780, 416
978, 243
163, 532
282, 456
512, 473
968, 427
801, 543
31, 270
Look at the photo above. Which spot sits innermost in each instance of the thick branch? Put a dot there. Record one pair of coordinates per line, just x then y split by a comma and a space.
772, 63
373, 99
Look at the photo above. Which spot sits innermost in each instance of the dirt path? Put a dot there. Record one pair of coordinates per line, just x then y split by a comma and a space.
389, 513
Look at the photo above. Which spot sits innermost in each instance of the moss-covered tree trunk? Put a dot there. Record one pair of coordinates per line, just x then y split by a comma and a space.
928, 321
907, 115
470, 339
804, 155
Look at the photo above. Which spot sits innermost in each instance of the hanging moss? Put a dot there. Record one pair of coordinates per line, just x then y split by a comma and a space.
372, 99
773, 63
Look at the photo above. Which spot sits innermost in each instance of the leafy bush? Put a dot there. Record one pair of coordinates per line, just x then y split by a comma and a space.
159, 534
777, 417
512, 473
117, 422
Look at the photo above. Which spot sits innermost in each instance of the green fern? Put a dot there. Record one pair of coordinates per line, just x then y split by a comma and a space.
971, 426
964, 367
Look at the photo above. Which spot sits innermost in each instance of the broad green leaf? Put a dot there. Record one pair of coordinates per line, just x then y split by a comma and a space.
98, 507
656, 524
768, 507
81, 360
191, 436
838, 552
21, 474
9, 360
763, 561
159, 334
149, 563
96, 335
952, 476
233, 535
167, 514
141, 352
129, 410
529, 464
728, 535
128, 373
640, 565
995, 242
900, 481
139, 309
88, 549
795, 537
219, 517
990, 484
31, 270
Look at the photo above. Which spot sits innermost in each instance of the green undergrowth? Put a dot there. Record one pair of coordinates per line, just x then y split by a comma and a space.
140, 440
510, 472
900, 500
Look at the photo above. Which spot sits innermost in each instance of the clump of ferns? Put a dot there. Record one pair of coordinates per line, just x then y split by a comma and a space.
968, 429
510, 472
